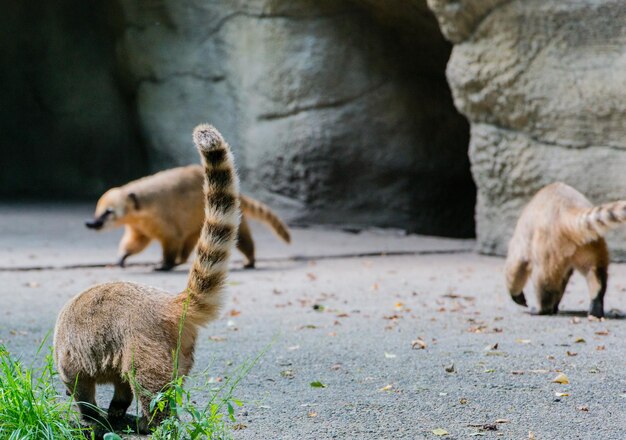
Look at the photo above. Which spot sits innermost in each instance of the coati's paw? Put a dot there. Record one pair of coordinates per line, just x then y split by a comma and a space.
520, 299
596, 310
164, 267
541, 312
206, 137
249, 265
121, 262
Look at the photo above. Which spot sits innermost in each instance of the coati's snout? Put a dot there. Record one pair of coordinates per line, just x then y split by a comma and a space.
99, 222
94, 224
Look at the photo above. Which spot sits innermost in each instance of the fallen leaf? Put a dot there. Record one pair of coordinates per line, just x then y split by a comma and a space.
217, 338
318, 307
604, 332
523, 341
580, 340
449, 368
386, 388
234, 312
600, 348
239, 426
294, 347
317, 384
440, 432
399, 305
462, 401
418, 343
335, 367
571, 353
389, 355
583, 408
312, 414
531, 436
561, 378
491, 347
490, 370
503, 421
517, 372
561, 394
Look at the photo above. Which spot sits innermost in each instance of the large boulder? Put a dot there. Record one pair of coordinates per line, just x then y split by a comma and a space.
543, 84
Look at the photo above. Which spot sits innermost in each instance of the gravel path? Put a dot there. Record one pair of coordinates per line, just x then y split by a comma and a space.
345, 309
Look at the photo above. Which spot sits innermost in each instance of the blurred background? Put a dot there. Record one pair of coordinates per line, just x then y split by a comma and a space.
439, 117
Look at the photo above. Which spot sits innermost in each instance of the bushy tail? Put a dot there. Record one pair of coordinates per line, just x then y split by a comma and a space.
263, 213
219, 232
595, 222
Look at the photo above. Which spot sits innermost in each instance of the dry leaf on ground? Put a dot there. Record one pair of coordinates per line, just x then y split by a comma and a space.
561, 378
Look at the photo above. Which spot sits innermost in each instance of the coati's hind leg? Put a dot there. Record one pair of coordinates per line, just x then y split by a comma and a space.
146, 385
132, 242
84, 393
171, 250
188, 247
597, 278
245, 244
122, 398
517, 273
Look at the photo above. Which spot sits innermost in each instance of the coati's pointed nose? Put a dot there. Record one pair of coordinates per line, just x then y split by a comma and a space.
94, 224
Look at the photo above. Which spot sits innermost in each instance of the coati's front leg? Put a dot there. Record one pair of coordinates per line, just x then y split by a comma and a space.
549, 290
132, 242
245, 244
517, 272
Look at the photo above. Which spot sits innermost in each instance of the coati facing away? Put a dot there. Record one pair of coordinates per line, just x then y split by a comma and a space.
168, 207
559, 231
126, 333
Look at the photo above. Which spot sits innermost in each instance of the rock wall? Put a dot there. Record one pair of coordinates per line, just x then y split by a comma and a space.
543, 84
338, 111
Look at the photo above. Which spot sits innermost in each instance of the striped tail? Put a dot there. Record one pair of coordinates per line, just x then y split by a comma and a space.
263, 213
595, 222
219, 232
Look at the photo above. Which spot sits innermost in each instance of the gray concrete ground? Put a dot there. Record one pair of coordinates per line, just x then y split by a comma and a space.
359, 342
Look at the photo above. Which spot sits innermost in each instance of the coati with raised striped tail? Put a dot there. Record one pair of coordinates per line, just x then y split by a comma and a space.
558, 232
126, 333
168, 207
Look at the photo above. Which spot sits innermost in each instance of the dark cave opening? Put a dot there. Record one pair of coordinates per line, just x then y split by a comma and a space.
393, 153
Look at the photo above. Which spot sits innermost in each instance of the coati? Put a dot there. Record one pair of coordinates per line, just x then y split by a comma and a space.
168, 206
559, 231
127, 334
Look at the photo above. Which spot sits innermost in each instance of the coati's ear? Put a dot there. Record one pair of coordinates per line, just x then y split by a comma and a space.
132, 197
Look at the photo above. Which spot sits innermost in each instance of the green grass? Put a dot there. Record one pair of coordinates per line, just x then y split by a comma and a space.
30, 406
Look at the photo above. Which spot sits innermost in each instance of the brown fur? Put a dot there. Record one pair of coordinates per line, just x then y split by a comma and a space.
168, 207
558, 232
125, 333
